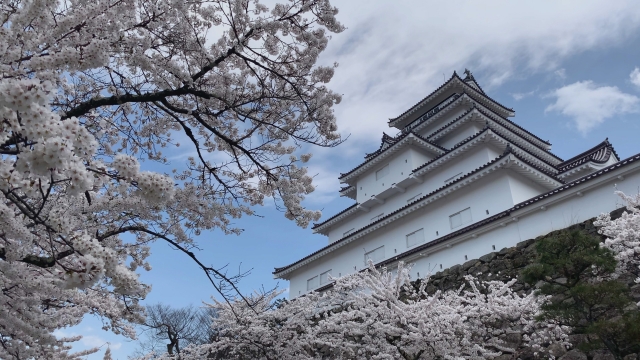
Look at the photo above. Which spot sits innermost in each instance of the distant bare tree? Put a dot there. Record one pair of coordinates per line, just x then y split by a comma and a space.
175, 328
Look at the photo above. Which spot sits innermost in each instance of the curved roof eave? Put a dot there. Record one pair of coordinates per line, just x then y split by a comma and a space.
399, 142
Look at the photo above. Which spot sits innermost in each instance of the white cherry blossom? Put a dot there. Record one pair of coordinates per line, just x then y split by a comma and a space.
623, 235
91, 94
378, 314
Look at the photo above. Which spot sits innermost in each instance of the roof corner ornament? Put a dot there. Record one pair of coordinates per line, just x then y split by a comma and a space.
468, 74
507, 150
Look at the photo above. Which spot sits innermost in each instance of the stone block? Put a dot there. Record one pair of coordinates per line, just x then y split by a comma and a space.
603, 355
578, 339
497, 265
525, 244
466, 266
631, 357
455, 269
503, 357
484, 269
512, 253
557, 350
513, 339
574, 355
520, 262
488, 257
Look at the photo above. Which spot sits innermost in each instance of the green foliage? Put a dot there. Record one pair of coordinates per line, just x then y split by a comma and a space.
573, 269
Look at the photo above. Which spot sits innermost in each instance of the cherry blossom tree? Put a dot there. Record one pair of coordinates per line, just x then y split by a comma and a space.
88, 88
623, 236
378, 314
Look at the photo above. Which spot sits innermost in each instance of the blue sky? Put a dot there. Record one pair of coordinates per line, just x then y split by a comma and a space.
567, 68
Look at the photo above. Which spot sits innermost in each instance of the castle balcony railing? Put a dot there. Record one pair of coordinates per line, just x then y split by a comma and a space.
434, 110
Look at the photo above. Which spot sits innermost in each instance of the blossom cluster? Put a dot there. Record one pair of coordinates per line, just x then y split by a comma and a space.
90, 88
378, 314
623, 235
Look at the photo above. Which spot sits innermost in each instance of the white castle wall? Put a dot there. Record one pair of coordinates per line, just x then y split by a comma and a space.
400, 166
495, 193
523, 189
490, 193
560, 212
434, 180
466, 130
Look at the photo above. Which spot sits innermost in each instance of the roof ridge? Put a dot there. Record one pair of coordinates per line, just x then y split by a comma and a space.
420, 119
522, 137
375, 154
454, 76
587, 152
497, 132
427, 140
516, 125
316, 225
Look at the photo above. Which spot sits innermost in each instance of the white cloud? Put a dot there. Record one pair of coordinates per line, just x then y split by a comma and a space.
391, 56
325, 179
520, 96
561, 73
635, 77
88, 341
589, 105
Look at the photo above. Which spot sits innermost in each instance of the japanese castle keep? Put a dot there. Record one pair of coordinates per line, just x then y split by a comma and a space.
460, 180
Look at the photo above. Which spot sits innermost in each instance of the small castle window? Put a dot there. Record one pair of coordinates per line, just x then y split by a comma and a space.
312, 283
324, 277
415, 238
374, 255
460, 218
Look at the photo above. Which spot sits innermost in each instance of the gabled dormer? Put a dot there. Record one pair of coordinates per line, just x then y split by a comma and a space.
391, 163
590, 161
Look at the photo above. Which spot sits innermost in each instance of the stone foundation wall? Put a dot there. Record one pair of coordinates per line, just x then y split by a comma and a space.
505, 265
